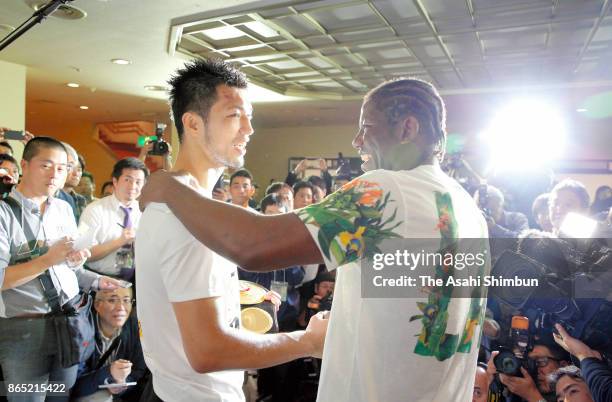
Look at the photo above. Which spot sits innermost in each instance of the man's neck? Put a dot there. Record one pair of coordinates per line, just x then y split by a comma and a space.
124, 202
243, 205
190, 161
107, 330
38, 199
68, 189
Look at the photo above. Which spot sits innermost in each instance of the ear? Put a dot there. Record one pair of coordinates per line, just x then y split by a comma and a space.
409, 129
192, 123
23, 164
114, 182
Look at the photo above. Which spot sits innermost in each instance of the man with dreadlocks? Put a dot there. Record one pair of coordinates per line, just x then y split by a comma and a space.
419, 349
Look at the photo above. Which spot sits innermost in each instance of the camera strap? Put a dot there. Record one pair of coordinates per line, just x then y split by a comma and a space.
46, 282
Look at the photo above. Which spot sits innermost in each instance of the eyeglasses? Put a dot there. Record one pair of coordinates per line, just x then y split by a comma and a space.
115, 301
544, 360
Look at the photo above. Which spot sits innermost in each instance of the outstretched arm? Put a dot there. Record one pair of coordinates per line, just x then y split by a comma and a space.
254, 242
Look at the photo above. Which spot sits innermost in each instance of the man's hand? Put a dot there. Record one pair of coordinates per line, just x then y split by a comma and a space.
77, 258
27, 136
157, 185
523, 386
315, 333
127, 236
221, 194
144, 151
120, 369
106, 283
273, 298
574, 346
59, 251
300, 167
322, 165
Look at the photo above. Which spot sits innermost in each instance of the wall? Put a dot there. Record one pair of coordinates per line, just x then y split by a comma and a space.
13, 99
79, 134
269, 150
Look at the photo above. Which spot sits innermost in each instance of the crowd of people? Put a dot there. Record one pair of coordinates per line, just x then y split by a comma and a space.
163, 283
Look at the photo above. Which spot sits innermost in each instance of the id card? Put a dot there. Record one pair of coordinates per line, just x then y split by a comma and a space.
280, 288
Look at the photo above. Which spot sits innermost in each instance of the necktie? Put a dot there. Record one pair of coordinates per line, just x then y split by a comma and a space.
127, 220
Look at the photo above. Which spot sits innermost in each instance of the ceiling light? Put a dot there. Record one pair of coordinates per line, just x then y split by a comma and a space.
155, 88
221, 33
64, 11
582, 110
72, 85
83, 107
122, 62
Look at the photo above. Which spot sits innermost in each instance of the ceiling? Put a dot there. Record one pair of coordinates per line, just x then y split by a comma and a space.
329, 49
339, 49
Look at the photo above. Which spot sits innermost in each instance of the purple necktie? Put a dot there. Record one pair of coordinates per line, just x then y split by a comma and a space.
127, 220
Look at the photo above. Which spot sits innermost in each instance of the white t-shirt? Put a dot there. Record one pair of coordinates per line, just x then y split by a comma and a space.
375, 349
172, 266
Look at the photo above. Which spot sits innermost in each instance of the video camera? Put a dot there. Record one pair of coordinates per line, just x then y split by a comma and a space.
574, 277
160, 147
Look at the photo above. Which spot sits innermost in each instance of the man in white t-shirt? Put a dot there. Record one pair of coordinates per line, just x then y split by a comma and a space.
188, 296
422, 348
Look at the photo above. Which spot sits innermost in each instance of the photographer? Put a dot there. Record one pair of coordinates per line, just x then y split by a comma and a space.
597, 374
148, 147
501, 223
9, 174
322, 298
547, 359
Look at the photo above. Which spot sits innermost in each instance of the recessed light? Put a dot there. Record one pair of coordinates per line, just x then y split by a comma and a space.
83, 107
72, 85
582, 110
122, 62
155, 88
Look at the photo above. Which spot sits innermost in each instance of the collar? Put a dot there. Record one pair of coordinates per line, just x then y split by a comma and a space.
116, 204
101, 334
27, 202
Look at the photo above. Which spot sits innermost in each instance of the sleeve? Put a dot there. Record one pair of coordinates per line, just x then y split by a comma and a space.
328, 181
291, 178
90, 220
5, 247
598, 377
351, 223
88, 381
187, 272
294, 275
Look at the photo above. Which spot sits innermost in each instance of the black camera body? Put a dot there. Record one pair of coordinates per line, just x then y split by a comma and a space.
160, 147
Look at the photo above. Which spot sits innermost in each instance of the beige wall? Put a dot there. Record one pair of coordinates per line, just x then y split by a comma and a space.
13, 99
79, 134
269, 150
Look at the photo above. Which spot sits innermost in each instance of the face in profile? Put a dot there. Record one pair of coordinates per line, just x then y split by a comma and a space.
227, 129
561, 203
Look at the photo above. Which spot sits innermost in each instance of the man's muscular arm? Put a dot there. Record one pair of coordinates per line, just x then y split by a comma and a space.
254, 242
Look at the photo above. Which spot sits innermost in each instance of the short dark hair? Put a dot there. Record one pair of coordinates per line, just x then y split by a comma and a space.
575, 187
402, 97
541, 202
278, 186
129, 163
7, 145
302, 184
270, 199
104, 185
8, 158
241, 173
81, 162
89, 176
194, 88
317, 181
33, 147
570, 371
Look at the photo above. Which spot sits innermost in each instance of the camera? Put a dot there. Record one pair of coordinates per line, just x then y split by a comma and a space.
160, 147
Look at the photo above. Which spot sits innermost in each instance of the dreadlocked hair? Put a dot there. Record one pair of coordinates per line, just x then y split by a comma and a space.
402, 97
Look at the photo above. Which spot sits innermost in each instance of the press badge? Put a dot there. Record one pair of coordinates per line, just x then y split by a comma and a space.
280, 288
